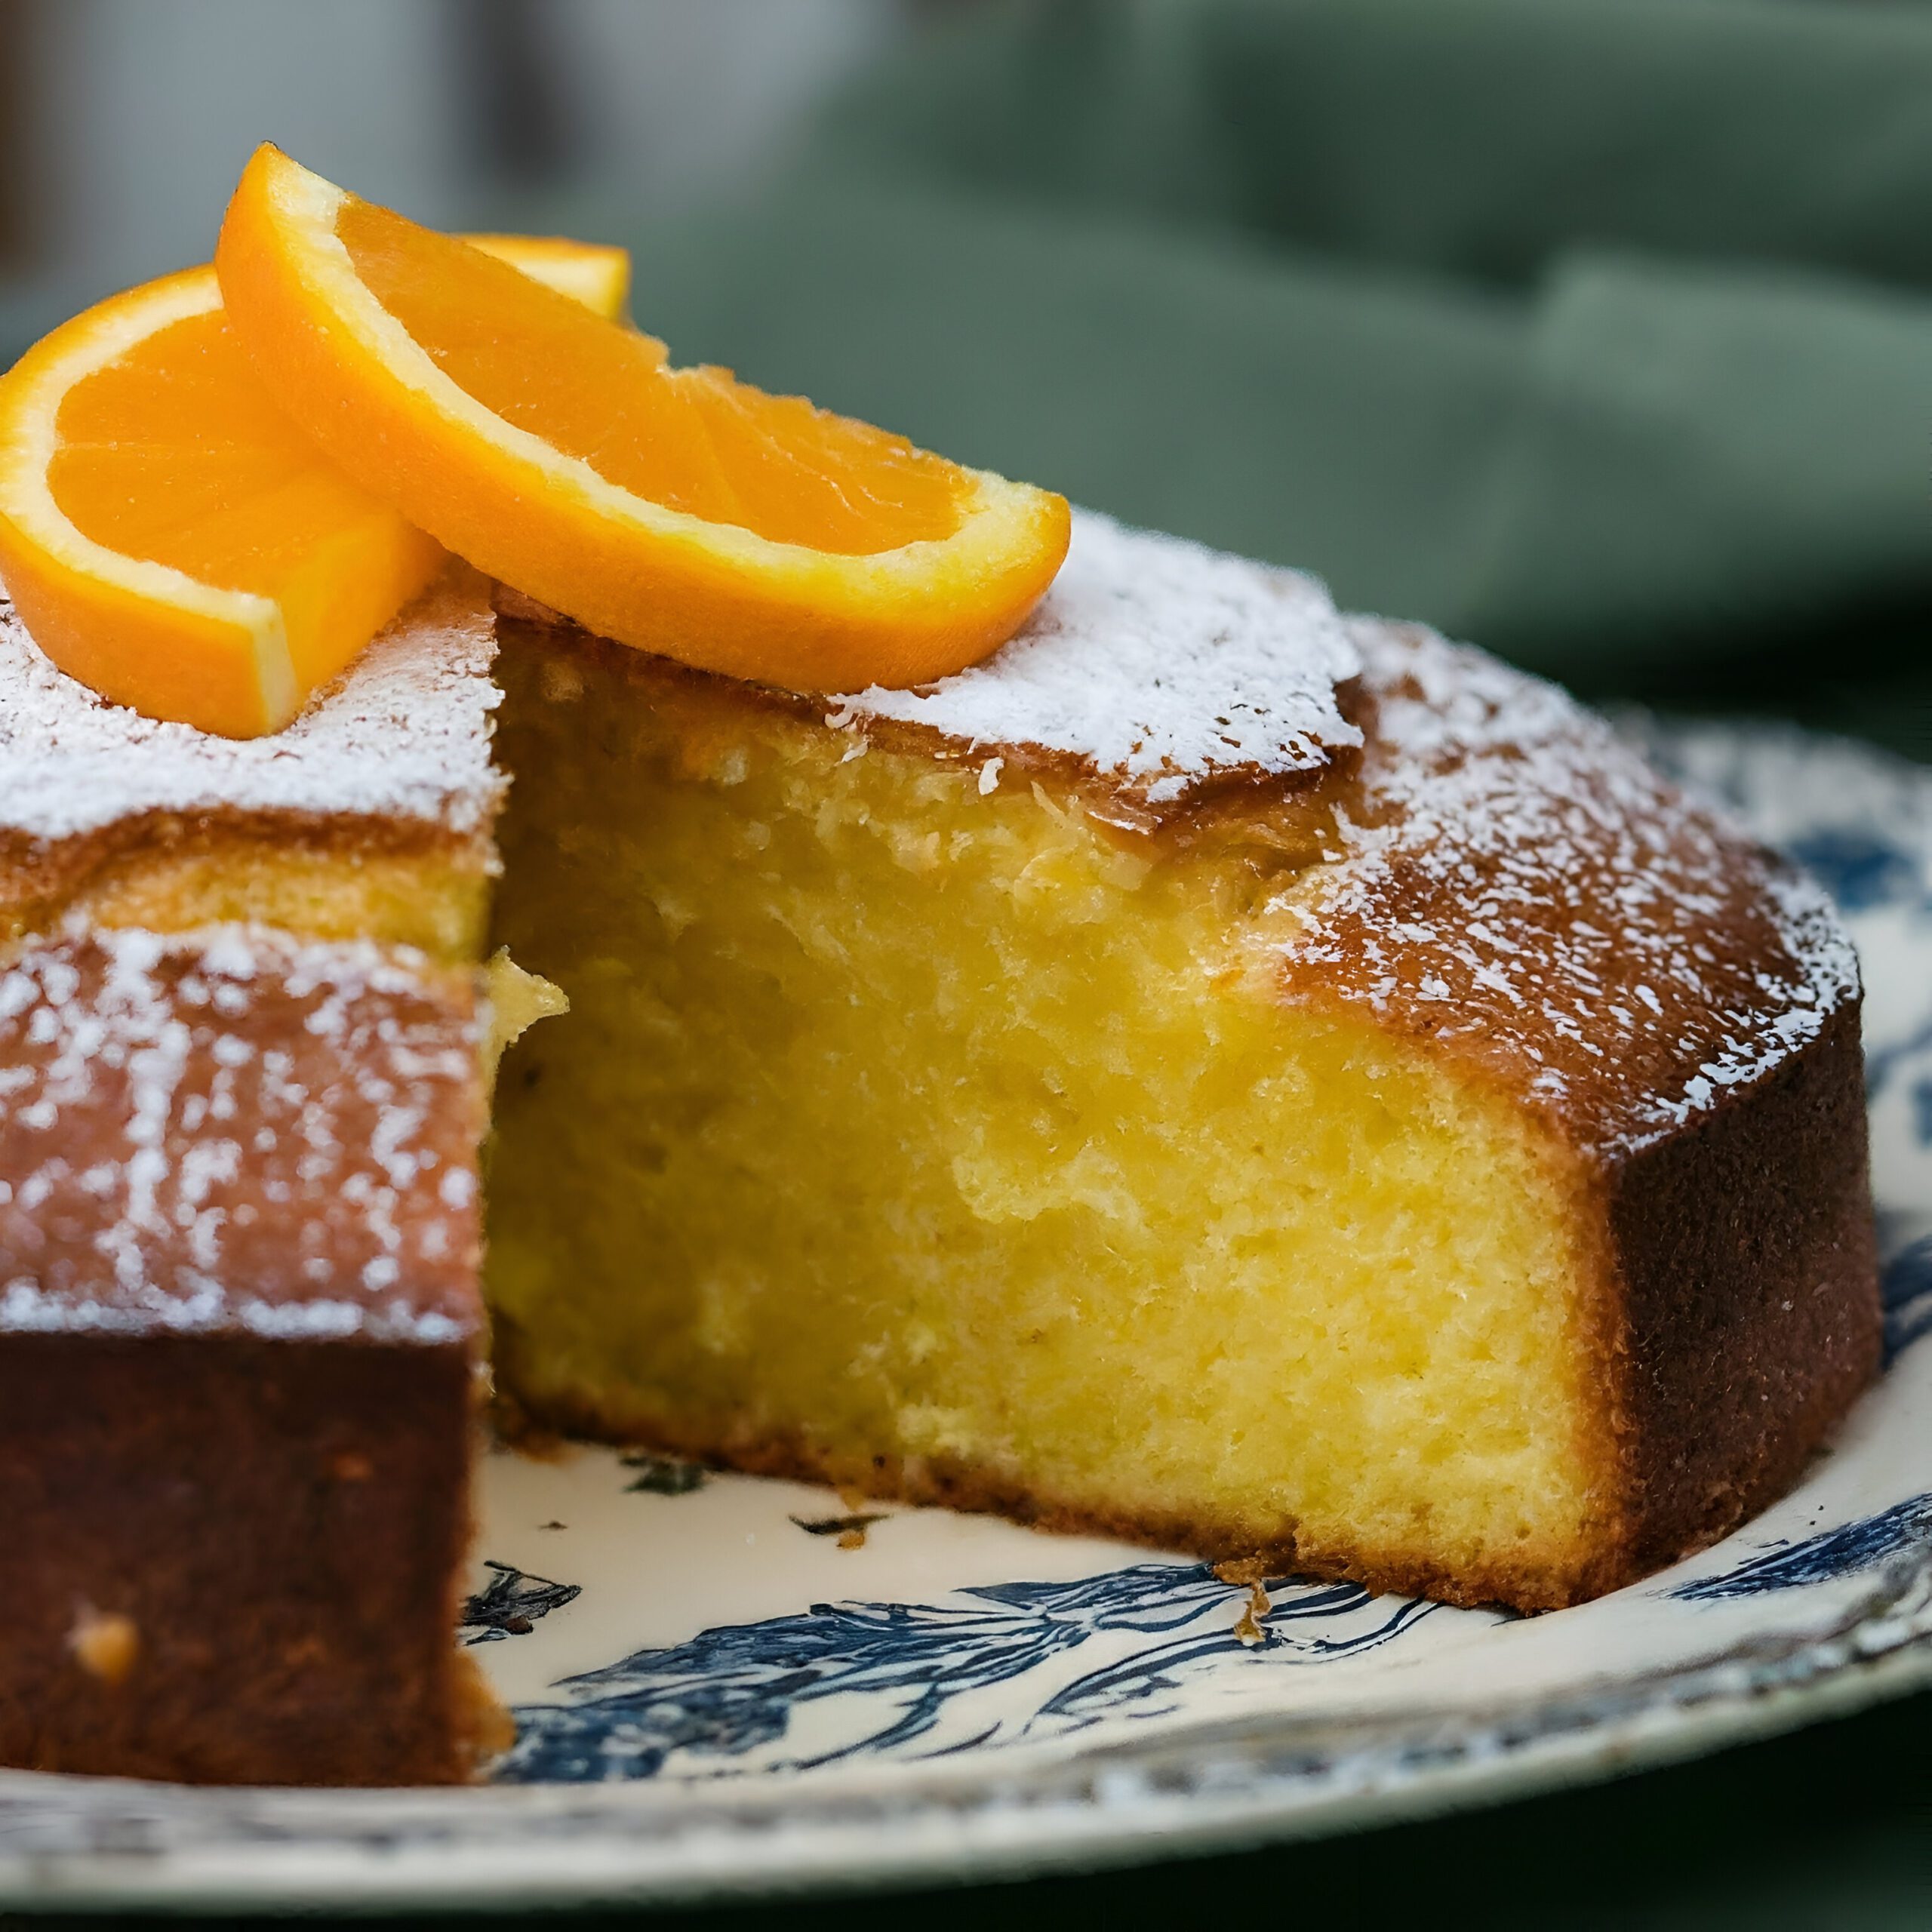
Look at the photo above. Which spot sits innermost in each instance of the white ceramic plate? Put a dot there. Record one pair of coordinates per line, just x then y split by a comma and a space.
715, 1695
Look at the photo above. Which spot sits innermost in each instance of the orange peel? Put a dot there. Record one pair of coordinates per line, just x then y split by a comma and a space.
677, 510
171, 539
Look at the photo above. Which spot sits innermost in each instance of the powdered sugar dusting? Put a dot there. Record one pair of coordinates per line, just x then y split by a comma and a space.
1520, 885
404, 733
1157, 663
236, 1129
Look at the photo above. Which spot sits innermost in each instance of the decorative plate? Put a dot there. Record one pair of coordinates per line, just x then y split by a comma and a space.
723, 1684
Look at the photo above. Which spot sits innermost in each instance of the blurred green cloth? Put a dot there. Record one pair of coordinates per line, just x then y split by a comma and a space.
1599, 331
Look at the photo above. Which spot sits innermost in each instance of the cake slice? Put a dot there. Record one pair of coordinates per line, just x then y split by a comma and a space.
240, 1102
1273, 1088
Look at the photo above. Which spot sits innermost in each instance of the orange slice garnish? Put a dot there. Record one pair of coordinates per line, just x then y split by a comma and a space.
591, 273
171, 540
678, 510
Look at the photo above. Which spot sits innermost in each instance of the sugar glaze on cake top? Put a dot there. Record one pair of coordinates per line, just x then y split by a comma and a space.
1156, 663
403, 734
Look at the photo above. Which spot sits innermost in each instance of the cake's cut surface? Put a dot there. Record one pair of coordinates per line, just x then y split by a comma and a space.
1288, 1151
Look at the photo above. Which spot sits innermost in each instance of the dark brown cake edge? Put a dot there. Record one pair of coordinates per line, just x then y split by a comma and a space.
246, 1556
1747, 1258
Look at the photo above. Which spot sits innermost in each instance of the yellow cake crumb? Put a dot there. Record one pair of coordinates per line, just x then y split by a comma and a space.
909, 1127
1248, 1626
515, 1000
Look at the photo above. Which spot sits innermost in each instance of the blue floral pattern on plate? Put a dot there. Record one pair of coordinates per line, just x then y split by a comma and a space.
727, 1691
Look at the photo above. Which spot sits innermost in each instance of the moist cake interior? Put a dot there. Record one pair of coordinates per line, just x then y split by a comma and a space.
935, 1137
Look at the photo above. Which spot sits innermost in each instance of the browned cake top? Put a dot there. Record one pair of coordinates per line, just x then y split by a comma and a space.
1519, 884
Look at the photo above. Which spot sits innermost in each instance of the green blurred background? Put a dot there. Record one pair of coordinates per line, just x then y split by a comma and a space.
1597, 331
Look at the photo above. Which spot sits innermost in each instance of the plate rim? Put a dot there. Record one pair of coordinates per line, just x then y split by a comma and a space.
1192, 1791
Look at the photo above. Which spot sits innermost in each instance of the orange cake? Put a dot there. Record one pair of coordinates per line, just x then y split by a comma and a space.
1267, 1084
1257, 1084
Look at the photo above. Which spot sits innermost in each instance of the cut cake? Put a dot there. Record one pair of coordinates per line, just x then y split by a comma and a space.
1279, 1087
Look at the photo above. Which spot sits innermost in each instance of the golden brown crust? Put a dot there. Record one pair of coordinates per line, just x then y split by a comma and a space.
235, 1131
1747, 1294
146, 870
1536, 903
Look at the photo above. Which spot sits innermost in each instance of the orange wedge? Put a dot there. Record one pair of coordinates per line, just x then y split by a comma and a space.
678, 510
171, 540
591, 274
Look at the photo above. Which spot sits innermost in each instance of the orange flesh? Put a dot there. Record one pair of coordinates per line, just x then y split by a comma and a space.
174, 453
693, 440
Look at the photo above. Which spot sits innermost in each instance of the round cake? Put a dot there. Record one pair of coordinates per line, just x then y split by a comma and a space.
1271, 1085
